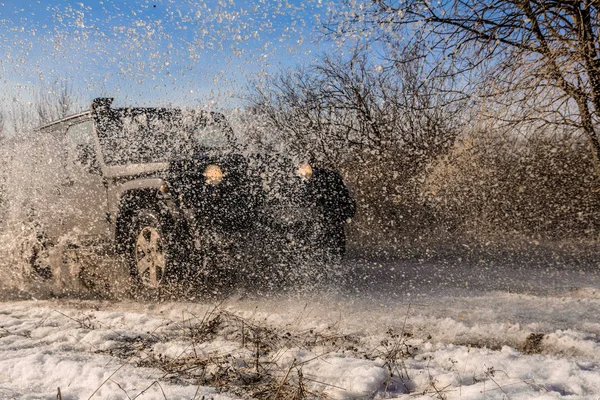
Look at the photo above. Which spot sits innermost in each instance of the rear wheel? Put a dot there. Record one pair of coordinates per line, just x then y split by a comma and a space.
35, 253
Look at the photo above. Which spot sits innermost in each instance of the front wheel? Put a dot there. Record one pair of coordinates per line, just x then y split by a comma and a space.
151, 259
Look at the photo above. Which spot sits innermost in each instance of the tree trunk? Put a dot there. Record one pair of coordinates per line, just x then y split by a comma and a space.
588, 126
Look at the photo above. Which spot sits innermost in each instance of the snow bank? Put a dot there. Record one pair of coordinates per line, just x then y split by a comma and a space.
119, 348
42, 350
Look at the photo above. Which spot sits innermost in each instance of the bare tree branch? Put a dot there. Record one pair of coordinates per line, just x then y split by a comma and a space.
502, 52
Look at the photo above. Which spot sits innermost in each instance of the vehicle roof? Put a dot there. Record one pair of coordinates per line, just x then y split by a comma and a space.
62, 120
122, 111
102, 105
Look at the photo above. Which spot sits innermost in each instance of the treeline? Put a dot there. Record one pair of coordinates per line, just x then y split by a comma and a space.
460, 143
49, 103
430, 172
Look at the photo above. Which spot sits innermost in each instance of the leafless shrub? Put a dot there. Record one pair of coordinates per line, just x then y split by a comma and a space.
379, 125
22, 117
527, 67
350, 109
538, 186
394, 351
253, 369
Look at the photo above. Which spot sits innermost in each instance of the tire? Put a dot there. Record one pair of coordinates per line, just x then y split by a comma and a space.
152, 259
332, 250
34, 252
162, 261
334, 241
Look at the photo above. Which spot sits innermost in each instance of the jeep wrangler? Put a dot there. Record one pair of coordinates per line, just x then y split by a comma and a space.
170, 189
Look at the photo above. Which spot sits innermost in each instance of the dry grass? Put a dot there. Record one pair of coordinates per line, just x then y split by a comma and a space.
259, 367
252, 359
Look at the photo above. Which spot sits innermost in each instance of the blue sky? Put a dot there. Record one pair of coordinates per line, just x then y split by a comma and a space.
152, 52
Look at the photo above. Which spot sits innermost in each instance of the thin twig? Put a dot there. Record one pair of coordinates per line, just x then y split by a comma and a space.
126, 361
120, 387
284, 380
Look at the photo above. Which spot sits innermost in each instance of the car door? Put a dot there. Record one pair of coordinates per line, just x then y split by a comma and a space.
84, 192
34, 175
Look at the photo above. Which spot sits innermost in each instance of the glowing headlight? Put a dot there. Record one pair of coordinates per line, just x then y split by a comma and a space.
213, 174
304, 171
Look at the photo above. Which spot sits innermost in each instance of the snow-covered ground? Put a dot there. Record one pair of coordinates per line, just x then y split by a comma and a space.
406, 331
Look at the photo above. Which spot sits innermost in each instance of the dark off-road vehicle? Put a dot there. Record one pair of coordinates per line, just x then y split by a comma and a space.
171, 190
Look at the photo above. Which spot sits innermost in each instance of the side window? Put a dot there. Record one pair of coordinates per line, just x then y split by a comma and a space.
80, 147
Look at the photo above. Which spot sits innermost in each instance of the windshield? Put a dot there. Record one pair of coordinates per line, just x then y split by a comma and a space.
131, 136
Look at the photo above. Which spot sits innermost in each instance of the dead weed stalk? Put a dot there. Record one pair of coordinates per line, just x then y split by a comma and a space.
257, 367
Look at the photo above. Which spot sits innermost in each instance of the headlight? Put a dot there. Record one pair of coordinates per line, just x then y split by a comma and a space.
213, 174
304, 171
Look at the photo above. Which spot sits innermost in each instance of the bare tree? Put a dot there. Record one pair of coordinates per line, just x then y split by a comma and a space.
535, 55
54, 103
22, 116
3, 164
2, 127
353, 106
49, 104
